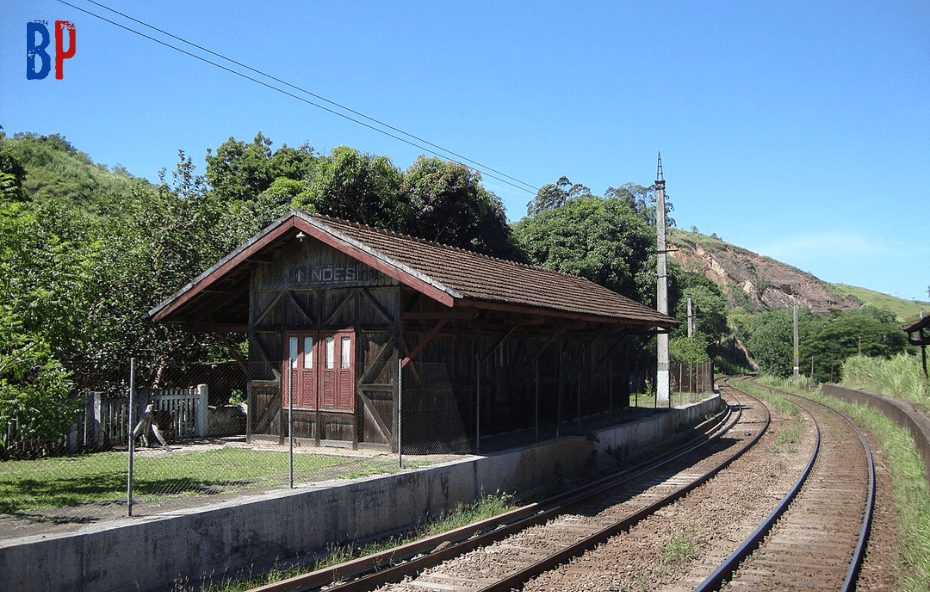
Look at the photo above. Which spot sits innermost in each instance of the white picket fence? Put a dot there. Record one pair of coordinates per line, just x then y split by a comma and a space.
105, 423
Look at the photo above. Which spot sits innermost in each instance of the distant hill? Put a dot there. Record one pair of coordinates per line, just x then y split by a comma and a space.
906, 310
59, 173
754, 282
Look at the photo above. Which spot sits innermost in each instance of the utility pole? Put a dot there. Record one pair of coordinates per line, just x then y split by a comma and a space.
797, 353
662, 378
690, 319
787, 289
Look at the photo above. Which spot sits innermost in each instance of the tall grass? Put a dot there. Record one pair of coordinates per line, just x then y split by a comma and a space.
911, 498
901, 377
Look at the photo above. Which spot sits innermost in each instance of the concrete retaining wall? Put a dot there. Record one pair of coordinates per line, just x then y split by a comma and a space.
150, 554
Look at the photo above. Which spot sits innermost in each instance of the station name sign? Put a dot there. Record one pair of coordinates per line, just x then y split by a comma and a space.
352, 274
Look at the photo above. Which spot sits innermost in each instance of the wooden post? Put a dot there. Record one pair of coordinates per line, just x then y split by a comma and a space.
400, 412
290, 422
537, 399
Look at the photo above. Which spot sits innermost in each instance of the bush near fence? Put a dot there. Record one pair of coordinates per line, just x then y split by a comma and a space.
197, 399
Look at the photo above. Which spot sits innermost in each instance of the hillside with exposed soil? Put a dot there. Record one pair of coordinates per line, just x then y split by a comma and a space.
752, 281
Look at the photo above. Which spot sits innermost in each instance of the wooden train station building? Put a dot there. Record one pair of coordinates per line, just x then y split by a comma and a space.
368, 338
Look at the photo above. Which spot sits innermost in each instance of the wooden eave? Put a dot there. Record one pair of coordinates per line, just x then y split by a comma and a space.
256, 250
542, 312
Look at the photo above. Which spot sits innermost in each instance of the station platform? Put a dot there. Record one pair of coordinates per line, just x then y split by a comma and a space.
235, 536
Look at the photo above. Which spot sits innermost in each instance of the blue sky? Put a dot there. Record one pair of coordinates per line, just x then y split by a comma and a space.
799, 130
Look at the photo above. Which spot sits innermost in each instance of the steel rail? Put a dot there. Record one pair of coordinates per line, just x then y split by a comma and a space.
729, 565
855, 564
393, 565
520, 577
726, 568
849, 583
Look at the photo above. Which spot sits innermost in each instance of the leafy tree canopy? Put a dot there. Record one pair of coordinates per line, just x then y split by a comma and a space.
50, 169
708, 304
689, 351
642, 200
352, 185
602, 240
552, 196
450, 206
240, 172
869, 331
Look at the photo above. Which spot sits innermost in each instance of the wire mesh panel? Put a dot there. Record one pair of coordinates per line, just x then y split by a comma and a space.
182, 457
432, 415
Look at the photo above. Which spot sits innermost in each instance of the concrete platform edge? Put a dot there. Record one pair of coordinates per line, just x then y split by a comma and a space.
155, 553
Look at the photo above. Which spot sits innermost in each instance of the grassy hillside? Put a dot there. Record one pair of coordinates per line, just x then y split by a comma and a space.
905, 310
59, 173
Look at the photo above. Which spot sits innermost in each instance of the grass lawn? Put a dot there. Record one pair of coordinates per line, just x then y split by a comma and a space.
101, 477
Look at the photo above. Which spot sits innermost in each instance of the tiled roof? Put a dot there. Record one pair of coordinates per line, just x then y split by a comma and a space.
454, 276
489, 279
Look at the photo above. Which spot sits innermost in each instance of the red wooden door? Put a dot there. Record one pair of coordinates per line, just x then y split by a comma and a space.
303, 371
337, 368
322, 371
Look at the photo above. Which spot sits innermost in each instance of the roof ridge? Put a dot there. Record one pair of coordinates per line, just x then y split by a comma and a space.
422, 240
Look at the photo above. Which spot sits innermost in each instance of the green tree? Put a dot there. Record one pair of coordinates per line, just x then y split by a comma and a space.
871, 331
693, 350
175, 232
450, 206
602, 240
45, 264
551, 196
12, 174
34, 387
359, 187
709, 307
770, 341
642, 200
240, 172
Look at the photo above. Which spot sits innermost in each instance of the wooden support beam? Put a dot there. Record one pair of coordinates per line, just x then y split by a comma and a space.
376, 305
300, 307
497, 345
268, 309
530, 321
345, 302
232, 351
543, 348
423, 342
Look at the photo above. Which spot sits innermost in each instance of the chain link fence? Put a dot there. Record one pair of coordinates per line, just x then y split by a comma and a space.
147, 440
188, 447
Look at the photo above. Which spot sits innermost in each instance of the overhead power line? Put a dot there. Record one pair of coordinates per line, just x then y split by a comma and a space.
395, 133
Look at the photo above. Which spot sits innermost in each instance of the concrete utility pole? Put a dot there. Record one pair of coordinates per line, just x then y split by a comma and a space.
797, 352
662, 379
690, 319
787, 289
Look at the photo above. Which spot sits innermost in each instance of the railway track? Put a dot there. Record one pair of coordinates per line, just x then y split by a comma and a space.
816, 537
584, 540
535, 538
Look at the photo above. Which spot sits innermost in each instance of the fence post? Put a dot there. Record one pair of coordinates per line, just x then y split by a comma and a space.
203, 410
400, 412
98, 421
290, 422
131, 444
478, 405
